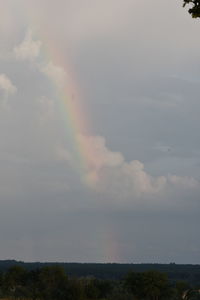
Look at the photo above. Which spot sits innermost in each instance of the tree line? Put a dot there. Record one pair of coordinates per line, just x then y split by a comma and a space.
52, 283
175, 272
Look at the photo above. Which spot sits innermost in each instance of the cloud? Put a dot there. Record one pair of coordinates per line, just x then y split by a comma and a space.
183, 182
6, 85
29, 49
55, 73
109, 173
101, 155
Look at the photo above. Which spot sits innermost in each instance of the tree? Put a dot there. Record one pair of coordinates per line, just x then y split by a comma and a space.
152, 285
119, 292
53, 283
191, 294
134, 282
194, 10
14, 281
181, 288
156, 285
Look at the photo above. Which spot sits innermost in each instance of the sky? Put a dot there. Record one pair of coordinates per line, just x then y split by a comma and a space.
99, 126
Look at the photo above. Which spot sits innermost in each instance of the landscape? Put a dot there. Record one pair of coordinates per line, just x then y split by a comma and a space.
75, 281
99, 150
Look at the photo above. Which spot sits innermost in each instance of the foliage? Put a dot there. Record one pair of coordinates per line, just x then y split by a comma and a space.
119, 292
194, 10
51, 282
175, 272
151, 285
181, 287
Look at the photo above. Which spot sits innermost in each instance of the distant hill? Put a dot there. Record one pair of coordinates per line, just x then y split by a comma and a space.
190, 273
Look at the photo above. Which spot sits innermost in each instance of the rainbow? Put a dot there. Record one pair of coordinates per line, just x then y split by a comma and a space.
76, 124
72, 111
71, 104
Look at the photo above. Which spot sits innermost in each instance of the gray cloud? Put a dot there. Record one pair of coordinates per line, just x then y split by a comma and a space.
137, 72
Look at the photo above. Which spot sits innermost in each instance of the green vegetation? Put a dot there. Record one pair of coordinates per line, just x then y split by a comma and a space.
52, 283
194, 9
175, 272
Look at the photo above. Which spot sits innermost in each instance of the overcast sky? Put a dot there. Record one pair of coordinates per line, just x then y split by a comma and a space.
113, 175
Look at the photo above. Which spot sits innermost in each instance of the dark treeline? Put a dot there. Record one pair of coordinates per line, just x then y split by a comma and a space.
53, 283
175, 272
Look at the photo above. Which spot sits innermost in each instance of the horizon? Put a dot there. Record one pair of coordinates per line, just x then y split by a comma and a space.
98, 263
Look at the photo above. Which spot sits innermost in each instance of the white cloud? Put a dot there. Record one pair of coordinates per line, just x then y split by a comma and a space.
99, 155
29, 49
109, 173
129, 180
6, 85
183, 182
56, 73
110, 169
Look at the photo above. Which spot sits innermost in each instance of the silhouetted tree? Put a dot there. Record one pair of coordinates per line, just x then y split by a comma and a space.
152, 285
119, 292
194, 10
77, 289
181, 287
134, 282
53, 283
14, 282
